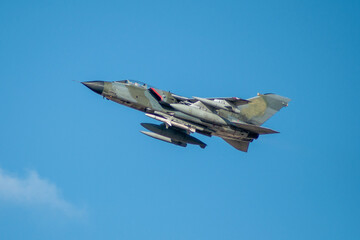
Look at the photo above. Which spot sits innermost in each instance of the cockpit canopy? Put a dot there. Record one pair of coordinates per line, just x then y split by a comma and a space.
135, 83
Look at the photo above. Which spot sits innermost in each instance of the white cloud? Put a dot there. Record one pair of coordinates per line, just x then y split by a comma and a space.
35, 191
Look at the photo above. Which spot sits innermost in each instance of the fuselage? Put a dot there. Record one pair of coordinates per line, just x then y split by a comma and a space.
148, 99
235, 120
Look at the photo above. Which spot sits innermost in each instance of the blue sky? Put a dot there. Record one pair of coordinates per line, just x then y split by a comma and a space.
74, 166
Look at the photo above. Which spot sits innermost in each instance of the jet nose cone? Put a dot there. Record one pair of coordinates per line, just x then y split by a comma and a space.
96, 86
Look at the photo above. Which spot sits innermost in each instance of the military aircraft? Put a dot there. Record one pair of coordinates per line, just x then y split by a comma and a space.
238, 121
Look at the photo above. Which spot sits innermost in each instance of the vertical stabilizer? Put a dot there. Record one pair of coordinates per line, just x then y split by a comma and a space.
262, 107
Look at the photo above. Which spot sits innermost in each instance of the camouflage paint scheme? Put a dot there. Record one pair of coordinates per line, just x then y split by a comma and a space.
238, 121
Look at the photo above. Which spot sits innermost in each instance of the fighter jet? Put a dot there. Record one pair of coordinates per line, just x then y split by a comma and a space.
238, 121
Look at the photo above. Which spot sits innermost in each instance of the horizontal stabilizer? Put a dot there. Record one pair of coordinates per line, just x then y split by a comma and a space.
254, 128
239, 145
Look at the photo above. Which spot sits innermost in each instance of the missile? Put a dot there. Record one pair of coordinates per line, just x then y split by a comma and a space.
196, 112
172, 134
171, 123
164, 120
163, 138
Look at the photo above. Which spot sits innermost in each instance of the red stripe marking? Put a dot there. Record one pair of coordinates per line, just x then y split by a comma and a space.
157, 94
